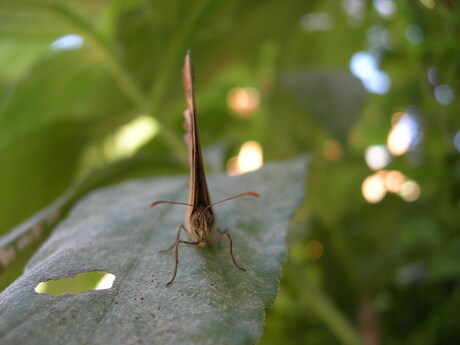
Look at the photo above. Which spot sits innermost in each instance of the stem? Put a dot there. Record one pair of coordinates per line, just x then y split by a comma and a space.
343, 251
323, 307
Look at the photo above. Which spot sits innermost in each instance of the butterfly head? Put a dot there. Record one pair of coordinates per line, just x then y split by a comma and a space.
202, 224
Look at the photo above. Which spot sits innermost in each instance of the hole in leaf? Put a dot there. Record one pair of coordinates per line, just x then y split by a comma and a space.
81, 282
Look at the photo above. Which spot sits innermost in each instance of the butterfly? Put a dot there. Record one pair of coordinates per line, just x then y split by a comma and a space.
200, 220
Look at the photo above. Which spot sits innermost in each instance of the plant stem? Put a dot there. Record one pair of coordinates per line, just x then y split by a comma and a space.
323, 307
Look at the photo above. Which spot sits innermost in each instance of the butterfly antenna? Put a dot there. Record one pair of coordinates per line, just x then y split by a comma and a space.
170, 202
233, 197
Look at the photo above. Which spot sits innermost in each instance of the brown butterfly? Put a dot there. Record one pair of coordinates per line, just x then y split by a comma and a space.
200, 221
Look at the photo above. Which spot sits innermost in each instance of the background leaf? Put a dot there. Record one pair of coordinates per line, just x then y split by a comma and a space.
114, 230
322, 93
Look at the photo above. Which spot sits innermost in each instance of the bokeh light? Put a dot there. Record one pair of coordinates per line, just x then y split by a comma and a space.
68, 42
403, 134
364, 66
457, 141
394, 180
386, 8
410, 191
399, 140
444, 94
354, 9
414, 34
243, 100
250, 158
373, 188
130, 137
317, 21
377, 157
315, 249
432, 75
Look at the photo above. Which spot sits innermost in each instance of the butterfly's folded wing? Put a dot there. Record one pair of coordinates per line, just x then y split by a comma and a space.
198, 189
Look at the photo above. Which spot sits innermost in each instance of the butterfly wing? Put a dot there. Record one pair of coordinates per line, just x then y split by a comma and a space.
198, 189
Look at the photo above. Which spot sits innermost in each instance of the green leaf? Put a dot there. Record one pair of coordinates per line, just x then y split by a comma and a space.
51, 92
36, 161
334, 98
114, 230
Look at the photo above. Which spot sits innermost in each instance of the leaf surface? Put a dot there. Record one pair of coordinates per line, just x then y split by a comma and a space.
114, 230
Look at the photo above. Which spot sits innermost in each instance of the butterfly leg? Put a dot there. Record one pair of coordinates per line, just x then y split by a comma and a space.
176, 245
230, 247
182, 227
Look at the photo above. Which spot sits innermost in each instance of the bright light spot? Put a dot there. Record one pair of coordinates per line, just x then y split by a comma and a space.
41, 287
364, 66
410, 190
250, 158
457, 141
243, 100
414, 34
332, 150
386, 8
81, 282
378, 82
354, 8
377, 157
315, 249
428, 3
399, 140
68, 42
394, 180
106, 282
130, 137
432, 75
317, 21
373, 188
444, 94
403, 134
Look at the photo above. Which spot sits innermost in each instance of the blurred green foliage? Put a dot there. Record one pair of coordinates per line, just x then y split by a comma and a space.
388, 271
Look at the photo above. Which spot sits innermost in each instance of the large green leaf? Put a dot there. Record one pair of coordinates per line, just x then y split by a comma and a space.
210, 302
